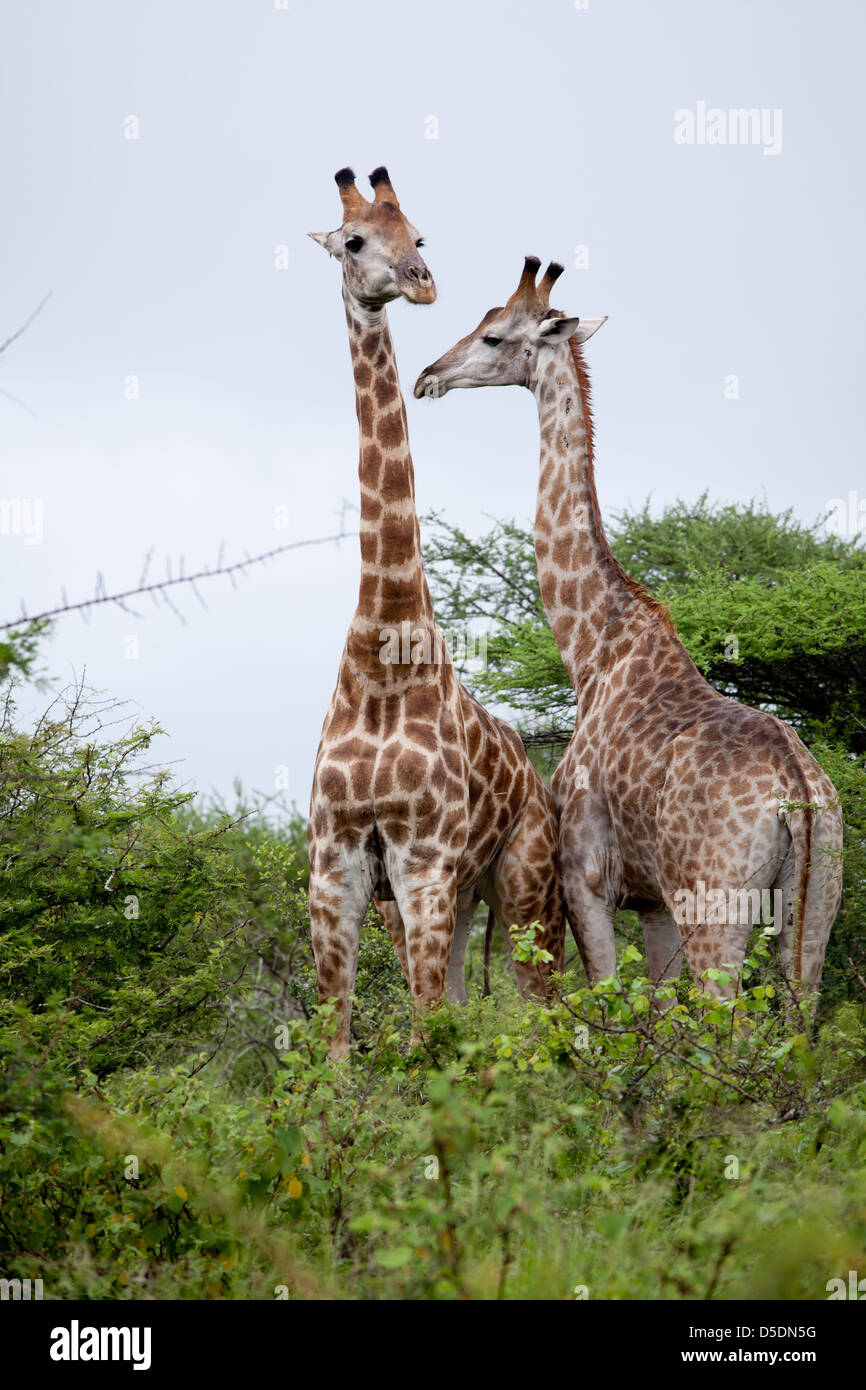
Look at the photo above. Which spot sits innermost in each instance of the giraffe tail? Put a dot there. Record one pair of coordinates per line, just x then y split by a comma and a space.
488, 946
815, 892
800, 823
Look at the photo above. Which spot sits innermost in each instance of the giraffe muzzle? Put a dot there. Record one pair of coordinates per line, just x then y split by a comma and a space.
416, 284
431, 382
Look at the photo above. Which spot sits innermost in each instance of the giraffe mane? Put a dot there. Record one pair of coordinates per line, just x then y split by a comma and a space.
658, 610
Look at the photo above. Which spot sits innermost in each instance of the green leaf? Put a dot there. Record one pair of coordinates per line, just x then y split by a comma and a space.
396, 1258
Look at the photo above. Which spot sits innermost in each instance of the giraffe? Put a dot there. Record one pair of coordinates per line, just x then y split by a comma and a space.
421, 800
673, 800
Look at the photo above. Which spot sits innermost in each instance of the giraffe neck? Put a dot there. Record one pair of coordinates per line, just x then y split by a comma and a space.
593, 608
393, 592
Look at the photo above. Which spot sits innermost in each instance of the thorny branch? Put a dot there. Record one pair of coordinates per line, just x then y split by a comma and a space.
159, 587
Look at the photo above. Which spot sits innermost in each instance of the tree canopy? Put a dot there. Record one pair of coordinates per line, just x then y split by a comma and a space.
772, 612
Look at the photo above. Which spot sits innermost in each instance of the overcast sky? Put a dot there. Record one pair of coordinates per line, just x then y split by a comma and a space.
554, 129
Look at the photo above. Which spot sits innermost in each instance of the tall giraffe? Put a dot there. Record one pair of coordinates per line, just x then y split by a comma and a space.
673, 800
420, 798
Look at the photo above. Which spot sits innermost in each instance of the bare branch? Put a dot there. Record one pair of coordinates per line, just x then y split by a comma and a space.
23, 329
16, 400
158, 589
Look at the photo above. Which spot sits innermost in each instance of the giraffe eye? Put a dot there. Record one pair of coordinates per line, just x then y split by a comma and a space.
420, 241
354, 243
491, 340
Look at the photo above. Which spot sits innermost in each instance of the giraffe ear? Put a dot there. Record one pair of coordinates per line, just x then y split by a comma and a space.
588, 327
556, 330
332, 242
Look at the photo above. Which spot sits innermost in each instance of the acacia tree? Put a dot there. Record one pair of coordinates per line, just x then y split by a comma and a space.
771, 611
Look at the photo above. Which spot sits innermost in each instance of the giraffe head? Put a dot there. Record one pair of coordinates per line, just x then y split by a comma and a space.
377, 245
512, 343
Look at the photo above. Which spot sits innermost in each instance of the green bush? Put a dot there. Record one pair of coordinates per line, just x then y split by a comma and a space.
654, 1158
122, 926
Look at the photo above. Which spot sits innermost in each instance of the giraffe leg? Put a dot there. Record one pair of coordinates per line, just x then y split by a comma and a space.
714, 945
526, 891
592, 919
591, 878
338, 902
663, 945
390, 914
455, 979
723, 900
428, 908
488, 946
532, 980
